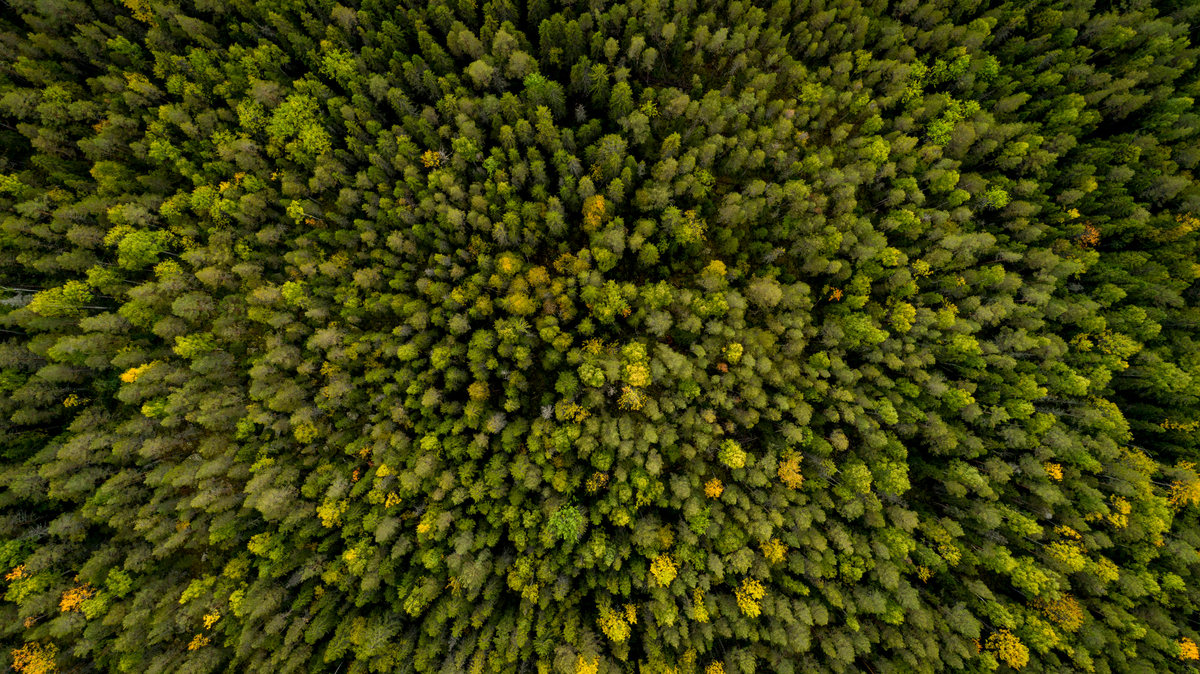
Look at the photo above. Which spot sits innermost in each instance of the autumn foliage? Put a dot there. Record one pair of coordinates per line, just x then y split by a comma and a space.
618, 336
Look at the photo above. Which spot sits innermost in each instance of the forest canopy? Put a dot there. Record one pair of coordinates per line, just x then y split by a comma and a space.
599, 336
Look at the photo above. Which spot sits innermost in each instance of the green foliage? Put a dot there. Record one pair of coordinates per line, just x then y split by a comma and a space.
566, 523
296, 127
66, 300
634, 336
732, 454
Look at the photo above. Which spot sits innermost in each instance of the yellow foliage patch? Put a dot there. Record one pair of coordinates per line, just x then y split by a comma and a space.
1065, 611
597, 482
749, 597
698, 607
572, 412
593, 212
1054, 470
305, 433
330, 512
132, 374
1008, 648
613, 625
630, 399
789, 472
664, 570
774, 550
713, 488
73, 598
585, 667
637, 374
1186, 490
1106, 570
34, 658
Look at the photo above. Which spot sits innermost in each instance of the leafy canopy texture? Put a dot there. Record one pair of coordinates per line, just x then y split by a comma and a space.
599, 336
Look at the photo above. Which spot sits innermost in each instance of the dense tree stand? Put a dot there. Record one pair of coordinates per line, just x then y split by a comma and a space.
599, 336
